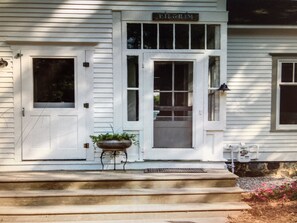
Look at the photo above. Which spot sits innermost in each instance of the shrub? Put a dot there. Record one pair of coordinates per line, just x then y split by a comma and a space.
113, 136
285, 191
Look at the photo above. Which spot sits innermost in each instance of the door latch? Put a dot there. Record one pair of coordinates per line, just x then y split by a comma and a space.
86, 145
23, 112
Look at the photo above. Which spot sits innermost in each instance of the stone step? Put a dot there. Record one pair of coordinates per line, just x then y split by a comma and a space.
118, 212
120, 196
60, 180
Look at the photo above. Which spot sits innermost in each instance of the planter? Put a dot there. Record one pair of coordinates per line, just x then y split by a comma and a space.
114, 145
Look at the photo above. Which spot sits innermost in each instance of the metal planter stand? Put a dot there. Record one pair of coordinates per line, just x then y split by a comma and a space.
114, 147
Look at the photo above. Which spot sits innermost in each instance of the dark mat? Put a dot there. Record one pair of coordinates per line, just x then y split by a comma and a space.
174, 170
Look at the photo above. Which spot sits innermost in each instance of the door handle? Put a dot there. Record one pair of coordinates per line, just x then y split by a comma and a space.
23, 112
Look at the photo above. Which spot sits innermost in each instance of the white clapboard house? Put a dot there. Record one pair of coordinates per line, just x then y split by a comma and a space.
70, 69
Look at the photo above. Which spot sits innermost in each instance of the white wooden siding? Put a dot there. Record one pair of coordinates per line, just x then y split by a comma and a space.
71, 22
249, 101
7, 150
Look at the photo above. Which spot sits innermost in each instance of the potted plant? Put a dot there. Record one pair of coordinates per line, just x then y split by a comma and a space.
114, 141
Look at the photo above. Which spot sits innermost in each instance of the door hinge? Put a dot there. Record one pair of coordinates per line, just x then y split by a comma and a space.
18, 55
86, 64
86, 145
86, 105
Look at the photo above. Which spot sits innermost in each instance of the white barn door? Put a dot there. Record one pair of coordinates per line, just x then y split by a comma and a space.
53, 115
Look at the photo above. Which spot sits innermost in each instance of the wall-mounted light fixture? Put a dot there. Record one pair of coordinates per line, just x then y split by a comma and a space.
3, 63
223, 87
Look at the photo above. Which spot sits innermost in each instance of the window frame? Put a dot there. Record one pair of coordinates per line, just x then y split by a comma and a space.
136, 89
45, 105
217, 40
277, 61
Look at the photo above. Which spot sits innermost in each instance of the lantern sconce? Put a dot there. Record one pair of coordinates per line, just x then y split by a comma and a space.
223, 88
3, 63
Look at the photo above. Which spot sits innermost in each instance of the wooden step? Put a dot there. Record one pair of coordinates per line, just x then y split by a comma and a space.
120, 196
169, 220
117, 212
60, 180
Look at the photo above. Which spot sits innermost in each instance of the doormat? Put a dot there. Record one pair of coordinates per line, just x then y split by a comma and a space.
174, 170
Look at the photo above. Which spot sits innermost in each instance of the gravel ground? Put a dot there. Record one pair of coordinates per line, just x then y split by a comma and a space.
253, 183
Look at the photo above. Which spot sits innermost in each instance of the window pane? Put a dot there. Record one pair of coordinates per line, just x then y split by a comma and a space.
133, 113
53, 82
287, 72
166, 36
181, 36
288, 107
132, 66
165, 99
163, 76
183, 76
133, 36
214, 72
213, 37
182, 99
213, 82
213, 105
197, 36
149, 36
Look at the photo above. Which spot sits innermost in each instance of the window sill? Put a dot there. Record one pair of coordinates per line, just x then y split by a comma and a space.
283, 130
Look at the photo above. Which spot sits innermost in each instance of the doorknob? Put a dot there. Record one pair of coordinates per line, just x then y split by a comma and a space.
23, 112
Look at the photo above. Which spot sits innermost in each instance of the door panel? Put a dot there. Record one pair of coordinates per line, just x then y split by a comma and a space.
173, 101
53, 122
67, 132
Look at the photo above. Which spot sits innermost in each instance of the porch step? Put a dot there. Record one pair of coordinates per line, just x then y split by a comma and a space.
60, 180
120, 196
117, 212
169, 220
77, 196
184, 220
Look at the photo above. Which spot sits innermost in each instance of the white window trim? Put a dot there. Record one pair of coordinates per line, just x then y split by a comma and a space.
279, 83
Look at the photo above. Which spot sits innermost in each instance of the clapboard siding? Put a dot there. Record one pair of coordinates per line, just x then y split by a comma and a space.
7, 150
249, 101
203, 5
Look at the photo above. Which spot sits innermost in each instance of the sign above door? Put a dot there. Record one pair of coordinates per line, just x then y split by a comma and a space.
187, 17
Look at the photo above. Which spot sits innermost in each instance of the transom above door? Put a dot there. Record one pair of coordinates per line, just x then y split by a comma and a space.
166, 36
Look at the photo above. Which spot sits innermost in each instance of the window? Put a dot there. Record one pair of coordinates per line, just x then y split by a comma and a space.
53, 80
284, 96
173, 36
213, 85
173, 90
132, 88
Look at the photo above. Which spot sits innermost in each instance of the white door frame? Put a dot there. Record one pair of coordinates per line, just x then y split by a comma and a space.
87, 86
199, 69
